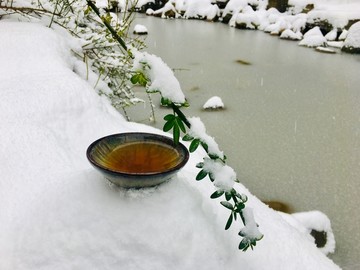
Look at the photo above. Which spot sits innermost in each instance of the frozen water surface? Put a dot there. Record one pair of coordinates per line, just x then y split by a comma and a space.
291, 124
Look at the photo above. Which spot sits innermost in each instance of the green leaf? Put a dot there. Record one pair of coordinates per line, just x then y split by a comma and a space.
244, 244
201, 175
180, 124
187, 138
134, 79
227, 205
176, 134
239, 207
229, 221
168, 125
213, 156
139, 78
194, 145
205, 146
227, 195
217, 194
242, 197
169, 117
142, 79
165, 101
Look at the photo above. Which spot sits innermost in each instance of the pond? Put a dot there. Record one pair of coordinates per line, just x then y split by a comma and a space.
291, 123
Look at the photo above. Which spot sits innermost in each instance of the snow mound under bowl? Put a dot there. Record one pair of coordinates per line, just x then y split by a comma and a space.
137, 160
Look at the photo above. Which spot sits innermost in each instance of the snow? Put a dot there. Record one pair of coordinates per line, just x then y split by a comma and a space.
140, 29
313, 38
315, 220
165, 9
287, 25
161, 76
343, 34
332, 35
335, 44
289, 34
57, 212
200, 8
353, 36
250, 229
198, 130
214, 102
224, 175
325, 49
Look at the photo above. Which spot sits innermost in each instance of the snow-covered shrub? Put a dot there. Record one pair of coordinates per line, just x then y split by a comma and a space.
101, 60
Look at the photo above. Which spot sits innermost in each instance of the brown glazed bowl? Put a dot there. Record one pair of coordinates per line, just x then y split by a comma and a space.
137, 160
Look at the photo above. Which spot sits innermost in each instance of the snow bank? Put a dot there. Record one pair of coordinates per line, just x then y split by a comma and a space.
252, 14
352, 41
200, 9
313, 38
59, 213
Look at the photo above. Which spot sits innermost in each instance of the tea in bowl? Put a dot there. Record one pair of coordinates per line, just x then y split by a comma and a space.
137, 160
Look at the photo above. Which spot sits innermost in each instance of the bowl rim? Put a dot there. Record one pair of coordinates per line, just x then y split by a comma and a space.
157, 137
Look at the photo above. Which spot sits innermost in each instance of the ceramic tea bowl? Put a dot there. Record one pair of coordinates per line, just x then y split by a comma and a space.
137, 160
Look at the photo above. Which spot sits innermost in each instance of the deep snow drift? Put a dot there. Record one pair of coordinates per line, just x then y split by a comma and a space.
59, 213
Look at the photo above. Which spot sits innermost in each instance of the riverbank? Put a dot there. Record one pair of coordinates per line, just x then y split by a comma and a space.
316, 24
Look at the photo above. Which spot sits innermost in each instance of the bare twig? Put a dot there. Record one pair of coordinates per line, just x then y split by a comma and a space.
26, 10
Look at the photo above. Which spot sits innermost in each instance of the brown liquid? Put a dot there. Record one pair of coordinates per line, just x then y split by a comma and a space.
144, 157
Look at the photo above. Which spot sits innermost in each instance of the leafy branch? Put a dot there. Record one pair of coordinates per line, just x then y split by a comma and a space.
177, 122
108, 25
234, 201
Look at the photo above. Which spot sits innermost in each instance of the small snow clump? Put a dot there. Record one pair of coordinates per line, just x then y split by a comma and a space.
251, 229
140, 29
214, 102
224, 175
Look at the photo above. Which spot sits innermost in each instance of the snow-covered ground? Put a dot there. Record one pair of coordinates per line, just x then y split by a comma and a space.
57, 212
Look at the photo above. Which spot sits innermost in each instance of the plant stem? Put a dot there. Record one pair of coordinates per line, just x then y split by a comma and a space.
26, 9
53, 15
180, 114
108, 26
